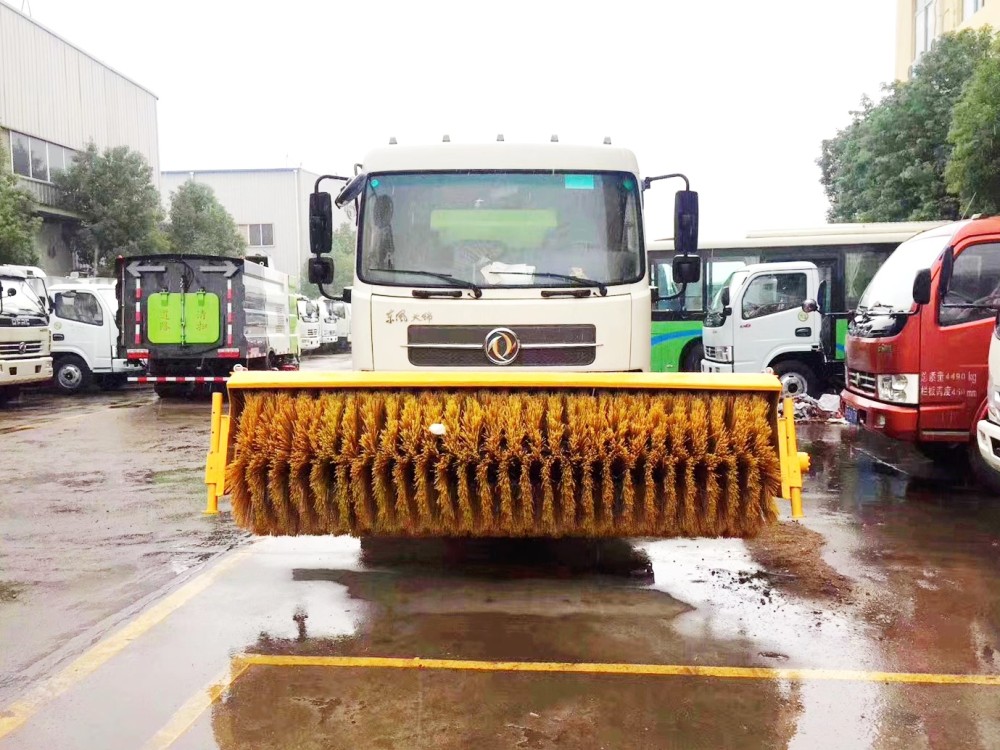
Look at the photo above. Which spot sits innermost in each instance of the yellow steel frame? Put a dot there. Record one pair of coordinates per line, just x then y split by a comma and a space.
793, 462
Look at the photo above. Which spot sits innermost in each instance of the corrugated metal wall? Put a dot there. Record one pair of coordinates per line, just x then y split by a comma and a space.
51, 90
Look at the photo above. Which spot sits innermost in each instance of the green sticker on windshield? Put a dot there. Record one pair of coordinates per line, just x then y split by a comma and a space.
579, 182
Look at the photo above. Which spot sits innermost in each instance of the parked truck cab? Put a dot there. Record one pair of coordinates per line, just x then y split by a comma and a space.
25, 342
917, 349
767, 315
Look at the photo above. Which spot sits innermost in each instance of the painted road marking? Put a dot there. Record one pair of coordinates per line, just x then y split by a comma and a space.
194, 707
661, 670
186, 716
25, 707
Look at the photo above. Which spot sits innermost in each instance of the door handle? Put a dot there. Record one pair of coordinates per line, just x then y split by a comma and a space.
58, 336
803, 332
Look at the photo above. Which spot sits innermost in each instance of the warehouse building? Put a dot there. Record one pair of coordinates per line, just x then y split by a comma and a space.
55, 99
920, 22
270, 207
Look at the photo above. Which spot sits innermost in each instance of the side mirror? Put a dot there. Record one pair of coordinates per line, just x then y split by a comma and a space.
686, 222
321, 270
351, 190
922, 287
947, 267
810, 306
686, 269
320, 225
724, 297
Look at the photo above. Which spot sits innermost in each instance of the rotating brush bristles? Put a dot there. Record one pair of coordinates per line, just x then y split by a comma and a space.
592, 463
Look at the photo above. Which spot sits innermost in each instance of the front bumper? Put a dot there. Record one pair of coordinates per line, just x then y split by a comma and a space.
892, 420
708, 365
308, 345
988, 436
327, 339
17, 371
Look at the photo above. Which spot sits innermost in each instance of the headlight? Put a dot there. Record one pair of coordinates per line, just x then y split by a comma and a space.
994, 405
899, 389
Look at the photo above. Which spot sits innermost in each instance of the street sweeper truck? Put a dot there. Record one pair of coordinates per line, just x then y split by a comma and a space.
501, 329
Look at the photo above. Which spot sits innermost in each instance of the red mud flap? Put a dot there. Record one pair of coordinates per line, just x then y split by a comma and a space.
177, 379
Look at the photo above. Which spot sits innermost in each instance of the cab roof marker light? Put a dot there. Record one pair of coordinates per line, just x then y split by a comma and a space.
499, 137
607, 140
392, 140
555, 138
446, 138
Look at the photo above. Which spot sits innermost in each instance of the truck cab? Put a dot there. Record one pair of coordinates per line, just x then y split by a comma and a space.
25, 342
771, 315
329, 313
309, 323
85, 337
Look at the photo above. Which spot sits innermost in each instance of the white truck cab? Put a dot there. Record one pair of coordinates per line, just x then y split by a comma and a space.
85, 335
328, 318
24, 332
758, 320
309, 324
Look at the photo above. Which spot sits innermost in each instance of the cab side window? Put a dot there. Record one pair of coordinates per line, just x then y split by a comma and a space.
772, 293
974, 281
81, 307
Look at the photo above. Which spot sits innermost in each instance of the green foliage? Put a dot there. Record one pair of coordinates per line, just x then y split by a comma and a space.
889, 163
200, 224
345, 238
18, 222
973, 173
119, 206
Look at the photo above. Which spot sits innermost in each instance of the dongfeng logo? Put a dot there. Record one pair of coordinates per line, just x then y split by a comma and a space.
22, 347
501, 346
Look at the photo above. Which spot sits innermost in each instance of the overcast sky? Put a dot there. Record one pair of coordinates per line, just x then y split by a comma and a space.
736, 94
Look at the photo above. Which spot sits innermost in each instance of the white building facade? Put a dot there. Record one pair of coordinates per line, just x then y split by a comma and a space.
270, 207
55, 99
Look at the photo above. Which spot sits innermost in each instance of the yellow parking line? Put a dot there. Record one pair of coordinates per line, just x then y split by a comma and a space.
21, 710
187, 714
662, 670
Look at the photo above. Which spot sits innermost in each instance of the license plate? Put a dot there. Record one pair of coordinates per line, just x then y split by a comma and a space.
851, 414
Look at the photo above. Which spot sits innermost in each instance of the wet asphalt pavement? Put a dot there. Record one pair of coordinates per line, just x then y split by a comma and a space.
121, 606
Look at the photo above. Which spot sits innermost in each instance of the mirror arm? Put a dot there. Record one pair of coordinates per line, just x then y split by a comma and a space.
679, 294
648, 181
322, 290
328, 177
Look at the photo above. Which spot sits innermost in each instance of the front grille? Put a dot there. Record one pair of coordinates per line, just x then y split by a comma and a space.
463, 346
14, 348
861, 382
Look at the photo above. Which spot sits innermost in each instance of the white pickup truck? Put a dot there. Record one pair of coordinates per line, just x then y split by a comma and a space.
85, 335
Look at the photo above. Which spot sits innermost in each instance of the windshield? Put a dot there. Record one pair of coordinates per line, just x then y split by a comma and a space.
24, 300
714, 317
891, 289
501, 229
308, 310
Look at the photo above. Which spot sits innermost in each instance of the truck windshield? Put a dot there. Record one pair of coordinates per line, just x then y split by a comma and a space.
308, 311
501, 229
24, 300
714, 317
891, 289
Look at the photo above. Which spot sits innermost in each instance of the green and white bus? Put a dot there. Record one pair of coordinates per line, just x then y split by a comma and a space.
847, 256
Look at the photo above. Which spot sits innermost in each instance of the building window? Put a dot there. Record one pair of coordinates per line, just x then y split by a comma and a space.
38, 159
258, 235
925, 26
971, 7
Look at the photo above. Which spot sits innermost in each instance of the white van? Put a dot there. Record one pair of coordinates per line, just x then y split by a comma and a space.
85, 336
766, 315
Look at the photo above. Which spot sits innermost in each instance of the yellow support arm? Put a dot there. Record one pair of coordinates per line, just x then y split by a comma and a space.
793, 461
215, 463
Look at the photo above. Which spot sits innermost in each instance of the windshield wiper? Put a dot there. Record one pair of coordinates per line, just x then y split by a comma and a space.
580, 280
476, 291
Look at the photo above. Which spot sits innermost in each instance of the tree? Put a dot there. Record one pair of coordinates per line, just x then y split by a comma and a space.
200, 224
345, 239
973, 173
119, 208
18, 222
889, 163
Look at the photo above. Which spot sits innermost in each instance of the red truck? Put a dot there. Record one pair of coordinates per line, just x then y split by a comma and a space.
917, 347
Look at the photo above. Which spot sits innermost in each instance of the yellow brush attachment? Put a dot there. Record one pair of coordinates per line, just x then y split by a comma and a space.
503, 454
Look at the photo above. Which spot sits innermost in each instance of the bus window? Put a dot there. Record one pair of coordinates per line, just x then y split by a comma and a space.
860, 265
662, 275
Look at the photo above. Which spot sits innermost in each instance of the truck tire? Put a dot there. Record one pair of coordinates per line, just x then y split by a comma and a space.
71, 374
691, 361
796, 378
